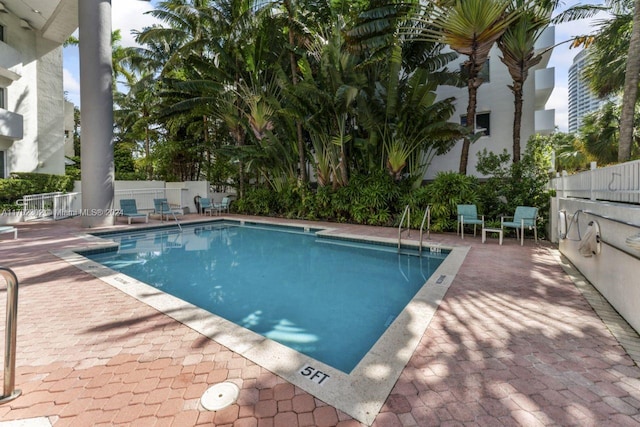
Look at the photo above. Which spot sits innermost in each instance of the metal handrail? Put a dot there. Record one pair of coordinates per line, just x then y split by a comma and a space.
172, 213
426, 217
8, 391
407, 214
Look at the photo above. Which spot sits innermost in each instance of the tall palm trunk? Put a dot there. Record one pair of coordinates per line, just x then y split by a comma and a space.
629, 98
517, 119
472, 86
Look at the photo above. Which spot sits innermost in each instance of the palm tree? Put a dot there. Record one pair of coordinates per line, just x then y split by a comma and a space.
630, 94
517, 45
469, 27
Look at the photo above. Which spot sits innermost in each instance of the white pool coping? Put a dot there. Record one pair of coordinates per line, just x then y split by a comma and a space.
360, 393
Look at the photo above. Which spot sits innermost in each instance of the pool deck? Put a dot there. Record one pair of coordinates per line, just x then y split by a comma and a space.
518, 339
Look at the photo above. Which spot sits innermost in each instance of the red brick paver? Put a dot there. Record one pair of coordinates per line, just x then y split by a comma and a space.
513, 342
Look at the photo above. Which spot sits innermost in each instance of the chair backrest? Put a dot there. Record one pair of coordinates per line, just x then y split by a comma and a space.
467, 211
205, 203
160, 205
526, 213
128, 206
225, 202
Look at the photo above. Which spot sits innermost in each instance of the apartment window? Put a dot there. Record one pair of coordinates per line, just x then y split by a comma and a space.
483, 123
484, 73
3, 102
1, 33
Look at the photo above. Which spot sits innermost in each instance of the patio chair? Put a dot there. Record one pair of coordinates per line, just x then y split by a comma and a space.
223, 205
161, 207
130, 210
468, 215
206, 206
9, 229
525, 216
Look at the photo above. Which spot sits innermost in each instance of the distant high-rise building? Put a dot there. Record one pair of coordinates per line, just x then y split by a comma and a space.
581, 99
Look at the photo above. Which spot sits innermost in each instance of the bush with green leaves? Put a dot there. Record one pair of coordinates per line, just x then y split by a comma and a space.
517, 184
22, 183
445, 193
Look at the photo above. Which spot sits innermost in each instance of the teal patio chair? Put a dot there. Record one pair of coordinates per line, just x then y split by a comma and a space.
130, 210
161, 207
525, 216
223, 205
468, 215
206, 206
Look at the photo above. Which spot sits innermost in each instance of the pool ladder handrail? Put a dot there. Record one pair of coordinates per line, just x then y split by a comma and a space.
407, 214
8, 391
426, 217
172, 213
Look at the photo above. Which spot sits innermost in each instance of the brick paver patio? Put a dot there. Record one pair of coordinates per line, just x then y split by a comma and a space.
514, 342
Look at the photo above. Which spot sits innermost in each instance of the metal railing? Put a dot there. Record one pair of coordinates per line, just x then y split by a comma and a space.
405, 214
8, 390
425, 218
616, 183
56, 205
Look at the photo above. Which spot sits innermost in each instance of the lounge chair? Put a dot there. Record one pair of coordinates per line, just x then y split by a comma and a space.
162, 208
525, 216
130, 210
206, 206
223, 205
9, 229
468, 215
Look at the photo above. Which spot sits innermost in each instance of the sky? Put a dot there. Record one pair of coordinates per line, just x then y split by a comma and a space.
128, 15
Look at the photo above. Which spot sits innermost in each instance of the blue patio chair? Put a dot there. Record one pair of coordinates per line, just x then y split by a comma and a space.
161, 207
130, 210
468, 215
525, 216
206, 206
223, 205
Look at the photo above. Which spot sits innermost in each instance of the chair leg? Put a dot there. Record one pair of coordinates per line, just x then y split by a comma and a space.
522, 237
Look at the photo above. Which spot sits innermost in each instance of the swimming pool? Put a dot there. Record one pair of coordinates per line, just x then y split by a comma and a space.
328, 298
360, 393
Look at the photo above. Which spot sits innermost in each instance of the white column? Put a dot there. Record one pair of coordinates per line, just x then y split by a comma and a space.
96, 107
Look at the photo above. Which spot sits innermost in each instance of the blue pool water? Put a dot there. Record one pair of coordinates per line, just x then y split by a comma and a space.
329, 299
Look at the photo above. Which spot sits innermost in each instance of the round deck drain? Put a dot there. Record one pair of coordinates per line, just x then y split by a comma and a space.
220, 396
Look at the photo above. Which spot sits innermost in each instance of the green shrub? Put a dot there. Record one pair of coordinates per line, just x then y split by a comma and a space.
445, 193
20, 184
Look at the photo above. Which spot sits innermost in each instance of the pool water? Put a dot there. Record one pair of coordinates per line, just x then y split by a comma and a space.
329, 299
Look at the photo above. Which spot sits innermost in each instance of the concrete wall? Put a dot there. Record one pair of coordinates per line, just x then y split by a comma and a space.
38, 96
615, 271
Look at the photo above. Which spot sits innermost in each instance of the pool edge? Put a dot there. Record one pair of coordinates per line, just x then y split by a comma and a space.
360, 394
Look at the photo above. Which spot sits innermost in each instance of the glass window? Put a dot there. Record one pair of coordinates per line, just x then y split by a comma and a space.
1, 33
2, 98
483, 123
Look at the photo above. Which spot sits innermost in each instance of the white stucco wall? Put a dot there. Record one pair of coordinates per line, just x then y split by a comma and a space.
615, 270
38, 96
494, 97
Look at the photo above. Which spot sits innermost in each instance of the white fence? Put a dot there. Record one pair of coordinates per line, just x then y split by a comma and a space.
617, 183
177, 197
55, 205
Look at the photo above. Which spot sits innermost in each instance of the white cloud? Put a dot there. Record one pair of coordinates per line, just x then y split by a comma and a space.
71, 86
128, 15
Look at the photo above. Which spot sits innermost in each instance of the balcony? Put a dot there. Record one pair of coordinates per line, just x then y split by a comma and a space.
545, 121
11, 125
10, 62
545, 81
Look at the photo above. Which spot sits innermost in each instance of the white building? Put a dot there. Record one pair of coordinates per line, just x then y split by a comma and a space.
32, 102
581, 99
495, 109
